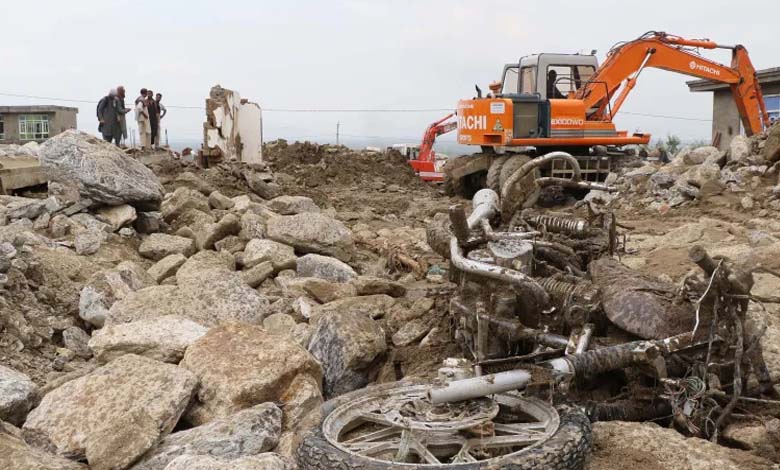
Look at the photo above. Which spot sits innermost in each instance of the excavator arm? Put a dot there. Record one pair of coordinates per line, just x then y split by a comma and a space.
617, 76
429, 138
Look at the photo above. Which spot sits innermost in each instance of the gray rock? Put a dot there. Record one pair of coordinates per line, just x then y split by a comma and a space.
771, 151
208, 292
370, 306
148, 222
739, 149
367, 285
312, 233
662, 180
88, 242
76, 339
60, 225
231, 243
346, 344
212, 233
157, 246
117, 216
265, 461
104, 288
181, 200
18, 395
260, 185
255, 275
75, 415
252, 226
240, 366
698, 155
164, 339
22, 207
280, 255
248, 432
217, 200
166, 267
291, 205
324, 267
101, 171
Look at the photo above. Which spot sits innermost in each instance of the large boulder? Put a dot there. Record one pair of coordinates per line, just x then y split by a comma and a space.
704, 177
106, 287
771, 150
15, 454
208, 292
164, 339
312, 233
324, 267
159, 245
739, 149
346, 344
241, 365
252, 431
102, 172
17, 395
84, 412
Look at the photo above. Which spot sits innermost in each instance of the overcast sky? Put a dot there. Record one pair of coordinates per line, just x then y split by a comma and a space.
350, 54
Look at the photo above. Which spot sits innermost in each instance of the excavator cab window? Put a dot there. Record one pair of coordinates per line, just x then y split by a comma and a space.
509, 83
563, 79
528, 79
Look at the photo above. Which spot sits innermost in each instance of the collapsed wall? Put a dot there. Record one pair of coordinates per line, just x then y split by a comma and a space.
233, 127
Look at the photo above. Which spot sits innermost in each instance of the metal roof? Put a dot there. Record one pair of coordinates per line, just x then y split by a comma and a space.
764, 76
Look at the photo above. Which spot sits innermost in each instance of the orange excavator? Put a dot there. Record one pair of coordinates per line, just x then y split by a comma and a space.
566, 102
426, 165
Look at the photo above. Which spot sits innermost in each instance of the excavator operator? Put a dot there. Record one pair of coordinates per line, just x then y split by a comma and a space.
552, 90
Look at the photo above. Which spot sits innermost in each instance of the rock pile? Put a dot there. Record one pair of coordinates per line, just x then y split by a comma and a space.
195, 319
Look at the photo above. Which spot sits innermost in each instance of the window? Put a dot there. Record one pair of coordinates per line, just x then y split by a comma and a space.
563, 79
509, 84
528, 80
773, 107
2, 128
33, 126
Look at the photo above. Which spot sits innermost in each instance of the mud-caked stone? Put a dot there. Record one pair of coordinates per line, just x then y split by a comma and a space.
411, 332
291, 205
321, 290
265, 461
122, 441
771, 151
241, 365
76, 339
279, 323
148, 222
370, 306
157, 246
280, 255
15, 454
101, 171
75, 414
164, 339
368, 285
166, 267
312, 233
117, 216
18, 395
324, 267
105, 288
255, 275
230, 224
346, 344
88, 242
249, 432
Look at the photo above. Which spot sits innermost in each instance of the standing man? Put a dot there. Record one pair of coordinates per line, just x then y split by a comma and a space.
162, 112
154, 116
108, 115
122, 110
142, 119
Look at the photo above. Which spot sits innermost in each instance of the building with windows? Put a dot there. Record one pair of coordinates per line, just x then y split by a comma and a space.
22, 124
725, 118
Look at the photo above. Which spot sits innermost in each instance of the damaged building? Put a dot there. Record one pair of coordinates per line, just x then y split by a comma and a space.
233, 130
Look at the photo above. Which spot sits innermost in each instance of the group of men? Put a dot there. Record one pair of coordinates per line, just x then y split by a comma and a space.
149, 110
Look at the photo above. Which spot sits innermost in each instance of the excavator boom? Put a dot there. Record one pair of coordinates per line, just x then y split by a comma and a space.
425, 164
618, 75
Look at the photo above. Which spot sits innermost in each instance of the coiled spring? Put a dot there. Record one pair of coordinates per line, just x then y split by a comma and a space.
565, 225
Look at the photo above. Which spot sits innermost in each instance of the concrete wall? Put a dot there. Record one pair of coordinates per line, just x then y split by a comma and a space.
233, 127
59, 121
725, 117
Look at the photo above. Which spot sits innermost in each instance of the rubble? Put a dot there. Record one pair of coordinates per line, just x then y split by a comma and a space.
312, 233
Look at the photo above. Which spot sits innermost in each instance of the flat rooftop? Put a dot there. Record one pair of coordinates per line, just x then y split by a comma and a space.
764, 76
35, 109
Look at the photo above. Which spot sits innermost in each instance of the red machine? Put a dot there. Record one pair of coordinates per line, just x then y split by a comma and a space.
425, 163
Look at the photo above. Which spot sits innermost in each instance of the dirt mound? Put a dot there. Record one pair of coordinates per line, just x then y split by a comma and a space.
316, 165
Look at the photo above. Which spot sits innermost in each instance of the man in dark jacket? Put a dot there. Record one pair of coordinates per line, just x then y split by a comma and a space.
154, 116
108, 116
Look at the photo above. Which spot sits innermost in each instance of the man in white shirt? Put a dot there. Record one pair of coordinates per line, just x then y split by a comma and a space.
142, 119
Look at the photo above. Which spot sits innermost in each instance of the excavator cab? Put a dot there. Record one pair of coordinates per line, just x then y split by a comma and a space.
548, 76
